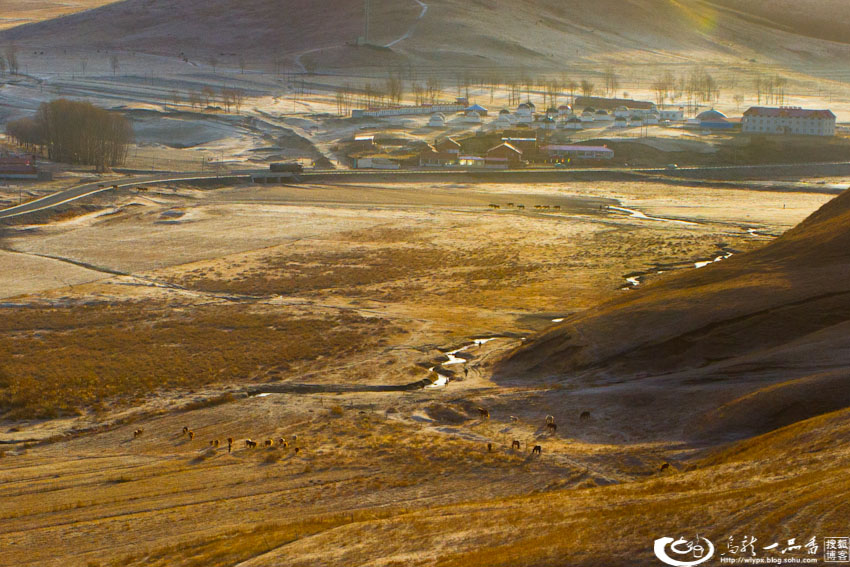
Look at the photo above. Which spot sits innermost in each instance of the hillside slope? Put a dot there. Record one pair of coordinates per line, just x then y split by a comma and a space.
446, 35
742, 346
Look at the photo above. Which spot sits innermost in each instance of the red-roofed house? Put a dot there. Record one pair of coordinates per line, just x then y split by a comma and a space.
503, 156
788, 120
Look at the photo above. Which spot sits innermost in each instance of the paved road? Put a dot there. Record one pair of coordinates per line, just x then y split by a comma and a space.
86, 189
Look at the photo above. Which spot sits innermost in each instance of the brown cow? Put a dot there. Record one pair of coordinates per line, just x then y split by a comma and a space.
138, 432
281, 442
297, 450
484, 413
185, 430
553, 427
269, 443
191, 435
250, 444
584, 415
664, 467
537, 449
489, 447
515, 445
550, 419
229, 444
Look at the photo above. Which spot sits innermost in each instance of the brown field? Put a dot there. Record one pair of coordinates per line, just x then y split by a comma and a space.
348, 289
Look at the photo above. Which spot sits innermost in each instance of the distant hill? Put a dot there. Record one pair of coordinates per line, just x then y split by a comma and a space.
446, 35
743, 346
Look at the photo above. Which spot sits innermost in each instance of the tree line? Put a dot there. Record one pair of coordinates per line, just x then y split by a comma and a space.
75, 132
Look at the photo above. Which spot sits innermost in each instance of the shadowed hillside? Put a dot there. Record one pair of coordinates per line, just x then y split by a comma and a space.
488, 35
755, 342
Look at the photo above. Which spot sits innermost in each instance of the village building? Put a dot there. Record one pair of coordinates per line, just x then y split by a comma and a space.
437, 120
18, 167
621, 122
602, 115
574, 123
376, 163
570, 152
789, 120
611, 104
504, 156
677, 115
565, 110
448, 146
477, 108
472, 117
431, 157
715, 120
526, 145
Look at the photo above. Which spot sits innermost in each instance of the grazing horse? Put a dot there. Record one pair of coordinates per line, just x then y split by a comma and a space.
520, 206
550, 419
664, 467
489, 447
537, 449
250, 444
138, 432
484, 413
584, 415
553, 427
191, 435
515, 445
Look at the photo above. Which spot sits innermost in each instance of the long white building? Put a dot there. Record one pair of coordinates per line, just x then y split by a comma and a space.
788, 120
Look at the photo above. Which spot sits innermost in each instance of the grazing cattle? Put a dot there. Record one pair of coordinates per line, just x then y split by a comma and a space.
191, 435
269, 443
515, 445
489, 447
214, 443
294, 438
185, 430
584, 415
664, 467
138, 432
550, 419
229, 444
510, 204
484, 413
250, 444
297, 450
514, 419
558, 207
537, 449
281, 442
553, 427
520, 206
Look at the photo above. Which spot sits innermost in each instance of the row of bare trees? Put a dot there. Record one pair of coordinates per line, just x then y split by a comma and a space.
75, 132
9, 60
208, 96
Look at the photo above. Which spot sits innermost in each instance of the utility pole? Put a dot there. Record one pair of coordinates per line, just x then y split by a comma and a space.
366, 27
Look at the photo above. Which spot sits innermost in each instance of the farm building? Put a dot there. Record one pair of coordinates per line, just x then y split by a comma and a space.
789, 120
376, 163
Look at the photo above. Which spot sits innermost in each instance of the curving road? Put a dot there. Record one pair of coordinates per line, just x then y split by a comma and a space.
86, 189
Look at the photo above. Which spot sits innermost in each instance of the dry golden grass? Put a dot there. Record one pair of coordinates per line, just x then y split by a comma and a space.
61, 360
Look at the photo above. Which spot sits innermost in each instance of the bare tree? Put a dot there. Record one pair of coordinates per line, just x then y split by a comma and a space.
587, 87
611, 82
11, 52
